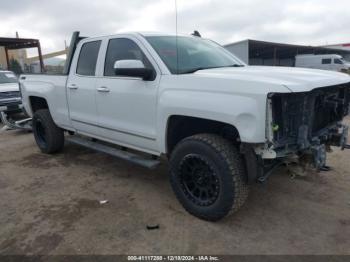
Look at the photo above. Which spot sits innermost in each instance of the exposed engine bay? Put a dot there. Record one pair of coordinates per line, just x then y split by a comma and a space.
310, 122
301, 128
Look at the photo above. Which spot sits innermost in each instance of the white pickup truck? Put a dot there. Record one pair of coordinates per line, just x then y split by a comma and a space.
222, 124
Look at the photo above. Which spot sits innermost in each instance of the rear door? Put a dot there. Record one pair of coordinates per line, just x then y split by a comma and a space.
81, 88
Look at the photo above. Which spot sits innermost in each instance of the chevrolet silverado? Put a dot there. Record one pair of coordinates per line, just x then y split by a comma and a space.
222, 124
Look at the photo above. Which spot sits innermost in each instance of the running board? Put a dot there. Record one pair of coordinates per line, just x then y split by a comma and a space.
125, 155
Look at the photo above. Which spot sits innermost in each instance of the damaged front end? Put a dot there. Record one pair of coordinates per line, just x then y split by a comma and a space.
302, 127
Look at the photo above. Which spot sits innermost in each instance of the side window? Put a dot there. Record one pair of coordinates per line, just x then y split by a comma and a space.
326, 61
88, 58
123, 49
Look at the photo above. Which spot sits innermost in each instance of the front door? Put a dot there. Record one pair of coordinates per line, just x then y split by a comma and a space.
127, 105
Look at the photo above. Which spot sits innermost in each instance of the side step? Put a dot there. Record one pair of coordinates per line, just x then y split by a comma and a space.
131, 157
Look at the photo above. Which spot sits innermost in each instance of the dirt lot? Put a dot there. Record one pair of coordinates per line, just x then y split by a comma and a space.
49, 205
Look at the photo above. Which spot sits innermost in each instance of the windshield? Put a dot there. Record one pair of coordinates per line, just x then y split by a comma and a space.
7, 77
340, 61
191, 54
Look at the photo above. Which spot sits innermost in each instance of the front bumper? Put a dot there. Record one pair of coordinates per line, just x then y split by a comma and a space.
11, 108
301, 128
11, 105
316, 147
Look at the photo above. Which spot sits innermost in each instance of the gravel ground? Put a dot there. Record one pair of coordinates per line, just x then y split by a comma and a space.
50, 205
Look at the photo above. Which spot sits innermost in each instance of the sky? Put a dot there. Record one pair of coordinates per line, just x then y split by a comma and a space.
310, 22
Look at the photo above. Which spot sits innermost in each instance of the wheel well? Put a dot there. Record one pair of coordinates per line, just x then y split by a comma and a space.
180, 127
38, 103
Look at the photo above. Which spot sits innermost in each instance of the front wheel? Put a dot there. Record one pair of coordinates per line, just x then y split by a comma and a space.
48, 136
208, 176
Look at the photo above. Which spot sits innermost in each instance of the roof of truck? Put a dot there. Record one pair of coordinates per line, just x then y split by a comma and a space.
144, 34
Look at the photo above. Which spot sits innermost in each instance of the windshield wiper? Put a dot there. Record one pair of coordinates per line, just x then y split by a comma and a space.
203, 68
236, 65
196, 69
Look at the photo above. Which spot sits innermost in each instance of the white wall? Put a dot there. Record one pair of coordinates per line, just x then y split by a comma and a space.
240, 49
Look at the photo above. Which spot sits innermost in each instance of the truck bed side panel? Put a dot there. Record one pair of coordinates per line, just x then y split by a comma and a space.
53, 89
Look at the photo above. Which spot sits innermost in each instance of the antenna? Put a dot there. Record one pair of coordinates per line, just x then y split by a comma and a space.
196, 33
177, 49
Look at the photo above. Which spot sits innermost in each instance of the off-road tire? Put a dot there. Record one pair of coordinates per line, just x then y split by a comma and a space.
223, 158
48, 136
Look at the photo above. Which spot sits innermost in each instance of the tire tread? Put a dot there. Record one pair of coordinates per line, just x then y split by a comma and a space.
55, 138
230, 154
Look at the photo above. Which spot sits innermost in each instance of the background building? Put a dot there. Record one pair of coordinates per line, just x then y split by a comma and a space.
20, 55
255, 52
13, 53
343, 47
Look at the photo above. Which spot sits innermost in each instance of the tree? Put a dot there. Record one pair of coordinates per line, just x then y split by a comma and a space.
15, 66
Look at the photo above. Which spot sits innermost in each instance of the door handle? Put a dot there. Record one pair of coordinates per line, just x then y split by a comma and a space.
103, 89
72, 86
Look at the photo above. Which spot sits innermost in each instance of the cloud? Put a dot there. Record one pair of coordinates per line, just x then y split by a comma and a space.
311, 22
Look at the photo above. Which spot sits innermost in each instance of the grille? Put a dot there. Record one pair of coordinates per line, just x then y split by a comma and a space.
13, 94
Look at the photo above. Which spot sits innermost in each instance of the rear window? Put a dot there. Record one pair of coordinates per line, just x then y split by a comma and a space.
326, 61
88, 58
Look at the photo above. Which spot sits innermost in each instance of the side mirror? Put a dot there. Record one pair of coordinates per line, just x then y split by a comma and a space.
133, 68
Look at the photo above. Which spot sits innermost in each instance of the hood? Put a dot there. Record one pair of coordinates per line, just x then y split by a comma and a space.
293, 78
9, 87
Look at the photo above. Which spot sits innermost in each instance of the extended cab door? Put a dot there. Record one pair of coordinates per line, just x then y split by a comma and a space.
127, 105
81, 88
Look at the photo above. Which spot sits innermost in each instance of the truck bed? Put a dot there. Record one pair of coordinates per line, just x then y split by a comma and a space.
50, 87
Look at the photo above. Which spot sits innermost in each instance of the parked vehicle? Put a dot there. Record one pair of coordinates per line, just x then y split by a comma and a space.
10, 97
222, 124
326, 62
11, 109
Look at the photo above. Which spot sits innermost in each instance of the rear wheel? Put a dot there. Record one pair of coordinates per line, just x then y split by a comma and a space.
208, 176
48, 136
